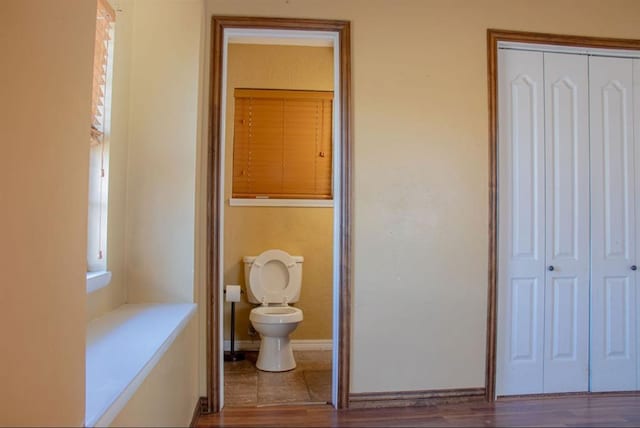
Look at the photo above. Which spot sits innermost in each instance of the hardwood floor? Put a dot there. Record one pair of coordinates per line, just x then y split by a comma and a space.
574, 410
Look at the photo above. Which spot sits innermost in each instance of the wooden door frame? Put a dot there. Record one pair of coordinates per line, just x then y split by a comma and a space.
493, 38
213, 230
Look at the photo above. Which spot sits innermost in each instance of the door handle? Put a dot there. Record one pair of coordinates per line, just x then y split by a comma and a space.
634, 267
550, 268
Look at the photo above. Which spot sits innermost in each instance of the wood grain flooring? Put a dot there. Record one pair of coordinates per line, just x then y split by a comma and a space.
309, 382
567, 411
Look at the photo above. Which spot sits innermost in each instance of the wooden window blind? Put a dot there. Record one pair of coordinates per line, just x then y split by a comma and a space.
98, 171
282, 144
104, 22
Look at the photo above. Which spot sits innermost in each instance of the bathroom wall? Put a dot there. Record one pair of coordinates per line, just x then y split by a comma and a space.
114, 295
299, 231
45, 108
420, 170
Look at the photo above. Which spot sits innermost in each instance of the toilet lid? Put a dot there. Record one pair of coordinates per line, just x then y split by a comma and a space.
271, 277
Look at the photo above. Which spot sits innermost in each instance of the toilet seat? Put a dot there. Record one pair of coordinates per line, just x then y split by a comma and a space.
275, 315
278, 283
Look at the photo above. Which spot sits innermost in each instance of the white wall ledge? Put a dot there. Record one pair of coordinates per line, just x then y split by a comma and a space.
97, 280
123, 346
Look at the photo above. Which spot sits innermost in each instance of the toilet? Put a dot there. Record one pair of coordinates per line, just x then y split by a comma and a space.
273, 280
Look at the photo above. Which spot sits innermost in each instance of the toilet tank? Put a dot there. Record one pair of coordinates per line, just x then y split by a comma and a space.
248, 262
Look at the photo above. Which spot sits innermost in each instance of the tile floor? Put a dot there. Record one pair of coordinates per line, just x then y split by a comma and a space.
309, 382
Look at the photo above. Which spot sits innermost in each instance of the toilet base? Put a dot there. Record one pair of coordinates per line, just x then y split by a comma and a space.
275, 355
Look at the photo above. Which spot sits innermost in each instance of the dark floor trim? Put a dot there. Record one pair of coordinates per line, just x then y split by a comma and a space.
199, 410
368, 400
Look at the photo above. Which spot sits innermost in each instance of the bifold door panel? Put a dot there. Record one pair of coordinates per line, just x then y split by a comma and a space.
521, 218
613, 289
566, 317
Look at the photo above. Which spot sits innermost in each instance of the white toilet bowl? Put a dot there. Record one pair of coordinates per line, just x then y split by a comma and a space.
275, 323
274, 279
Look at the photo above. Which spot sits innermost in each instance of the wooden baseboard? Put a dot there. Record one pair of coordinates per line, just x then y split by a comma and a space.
552, 395
368, 400
199, 410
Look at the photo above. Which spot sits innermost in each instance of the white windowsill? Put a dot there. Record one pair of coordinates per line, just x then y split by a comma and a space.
266, 202
123, 346
97, 280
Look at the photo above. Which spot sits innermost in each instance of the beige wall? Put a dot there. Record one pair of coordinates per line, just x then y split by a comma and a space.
168, 396
47, 50
152, 185
47, 57
299, 231
109, 298
152, 154
163, 127
420, 179
421, 170
155, 128
165, 98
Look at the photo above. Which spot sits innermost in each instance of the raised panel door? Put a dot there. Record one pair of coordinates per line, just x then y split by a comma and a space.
521, 214
613, 293
566, 319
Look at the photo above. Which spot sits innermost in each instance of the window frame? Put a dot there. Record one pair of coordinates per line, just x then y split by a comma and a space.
98, 203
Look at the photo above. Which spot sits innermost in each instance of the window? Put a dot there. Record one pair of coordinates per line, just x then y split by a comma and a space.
99, 138
282, 144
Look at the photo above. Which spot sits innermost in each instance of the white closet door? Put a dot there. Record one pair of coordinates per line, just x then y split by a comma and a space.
566, 318
636, 145
521, 271
613, 293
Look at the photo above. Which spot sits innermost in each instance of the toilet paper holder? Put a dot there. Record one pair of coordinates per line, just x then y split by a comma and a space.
233, 293
232, 355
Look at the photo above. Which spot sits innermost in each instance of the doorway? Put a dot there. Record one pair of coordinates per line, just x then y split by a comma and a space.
548, 302
337, 34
